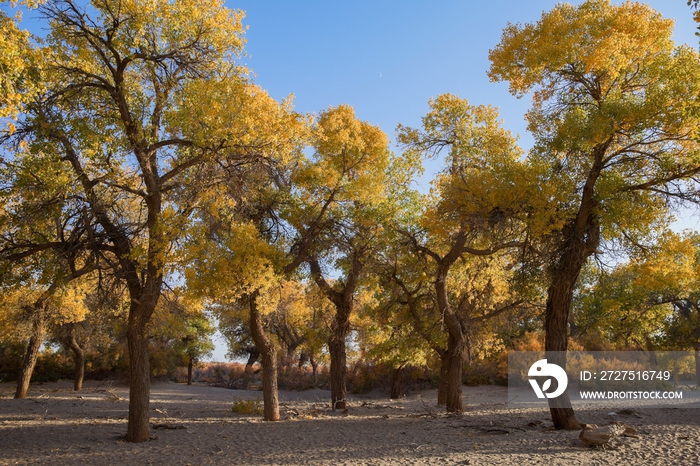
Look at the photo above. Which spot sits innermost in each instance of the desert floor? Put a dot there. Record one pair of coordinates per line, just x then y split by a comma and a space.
58, 426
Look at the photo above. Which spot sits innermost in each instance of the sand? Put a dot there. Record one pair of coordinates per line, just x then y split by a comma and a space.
58, 426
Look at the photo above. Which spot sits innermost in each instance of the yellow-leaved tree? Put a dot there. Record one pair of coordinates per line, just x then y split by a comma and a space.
342, 197
615, 120
139, 98
475, 215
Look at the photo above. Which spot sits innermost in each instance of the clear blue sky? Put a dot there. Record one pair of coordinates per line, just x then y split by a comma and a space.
387, 58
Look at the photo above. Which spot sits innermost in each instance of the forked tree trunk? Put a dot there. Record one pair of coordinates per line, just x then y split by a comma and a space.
190, 367
268, 355
253, 355
340, 328
32, 353
139, 375
79, 355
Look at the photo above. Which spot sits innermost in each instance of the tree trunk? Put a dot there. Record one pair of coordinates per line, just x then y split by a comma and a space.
339, 370
340, 328
268, 355
396, 383
253, 355
559, 299
581, 239
190, 367
139, 375
32, 353
79, 355
697, 368
453, 388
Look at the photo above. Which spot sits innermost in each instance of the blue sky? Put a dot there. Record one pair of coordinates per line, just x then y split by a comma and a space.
387, 58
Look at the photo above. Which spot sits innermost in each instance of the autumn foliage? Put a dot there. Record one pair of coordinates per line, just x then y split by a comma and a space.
153, 193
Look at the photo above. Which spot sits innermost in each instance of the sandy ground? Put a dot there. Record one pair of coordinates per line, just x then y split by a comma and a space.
58, 426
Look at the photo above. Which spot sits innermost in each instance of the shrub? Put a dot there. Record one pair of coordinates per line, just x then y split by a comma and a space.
249, 406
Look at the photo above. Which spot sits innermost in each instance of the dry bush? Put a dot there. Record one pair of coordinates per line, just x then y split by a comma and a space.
249, 406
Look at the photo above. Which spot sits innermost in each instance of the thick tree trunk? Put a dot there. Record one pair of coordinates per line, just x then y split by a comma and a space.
336, 347
190, 370
340, 328
581, 239
139, 376
79, 355
339, 370
453, 389
32, 353
559, 299
396, 383
268, 355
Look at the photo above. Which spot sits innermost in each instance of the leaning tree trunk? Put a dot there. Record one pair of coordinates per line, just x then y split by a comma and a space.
269, 363
559, 299
32, 353
139, 374
79, 355
582, 237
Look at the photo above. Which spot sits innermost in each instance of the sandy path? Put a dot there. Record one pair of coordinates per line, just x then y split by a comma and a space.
57, 426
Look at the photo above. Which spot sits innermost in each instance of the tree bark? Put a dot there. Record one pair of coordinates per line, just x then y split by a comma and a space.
556, 342
79, 355
32, 353
139, 375
190, 367
338, 370
268, 355
253, 355
340, 328
581, 239
396, 383
453, 385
